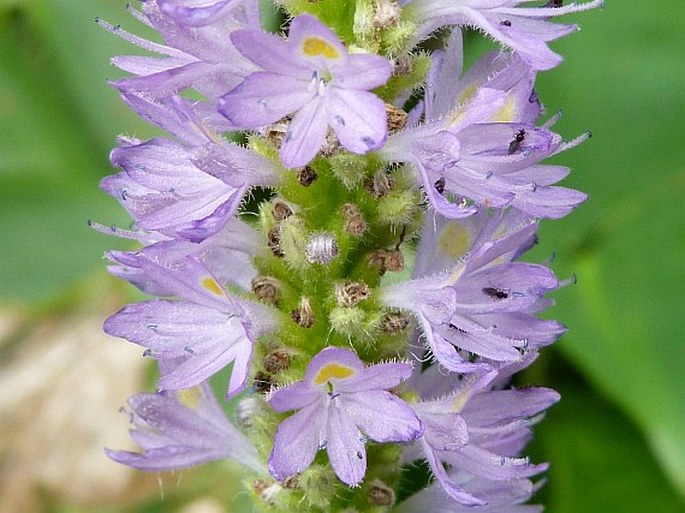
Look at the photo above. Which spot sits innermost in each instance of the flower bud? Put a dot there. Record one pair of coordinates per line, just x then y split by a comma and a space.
322, 249
267, 289
380, 494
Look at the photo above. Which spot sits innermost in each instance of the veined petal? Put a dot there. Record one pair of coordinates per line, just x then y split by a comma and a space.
208, 359
444, 431
143, 65
167, 457
345, 447
528, 37
172, 114
295, 396
382, 416
442, 85
314, 42
188, 278
549, 202
241, 368
168, 328
448, 485
236, 166
480, 462
540, 174
467, 334
363, 71
524, 326
358, 119
513, 286
297, 441
183, 428
445, 353
441, 205
173, 80
501, 496
263, 98
270, 52
200, 229
499, 406
305, 134
165, 192
382, 376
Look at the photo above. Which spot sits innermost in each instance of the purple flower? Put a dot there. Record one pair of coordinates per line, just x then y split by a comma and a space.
185, 192
187, 189
227, 254
465, 156
446, 242
193, 123
479, 143
208, 329
341, 403
183, 428
449, 86
312, 77
202, 57
526, 30
478, 431
483, 306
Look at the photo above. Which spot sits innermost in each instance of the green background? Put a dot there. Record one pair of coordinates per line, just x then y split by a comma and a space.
617, 439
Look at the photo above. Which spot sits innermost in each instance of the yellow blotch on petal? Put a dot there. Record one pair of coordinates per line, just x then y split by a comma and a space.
456, 274
211, 285
468, 93
189, 398
456, 116
460, 401
458, 113
454, 240
507, 114
313, 46
333, 371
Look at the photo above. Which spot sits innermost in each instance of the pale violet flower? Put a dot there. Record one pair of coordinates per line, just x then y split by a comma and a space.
312, 77
526, 30
341, 402
477, 431
181, 429
208, 328
483, 306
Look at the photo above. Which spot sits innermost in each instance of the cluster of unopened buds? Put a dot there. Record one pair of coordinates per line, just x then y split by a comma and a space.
336, 218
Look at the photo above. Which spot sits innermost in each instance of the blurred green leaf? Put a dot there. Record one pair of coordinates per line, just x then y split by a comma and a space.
623, 77
600, 462
57, 124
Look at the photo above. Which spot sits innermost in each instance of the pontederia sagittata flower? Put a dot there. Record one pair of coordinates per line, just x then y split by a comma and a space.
335, 219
